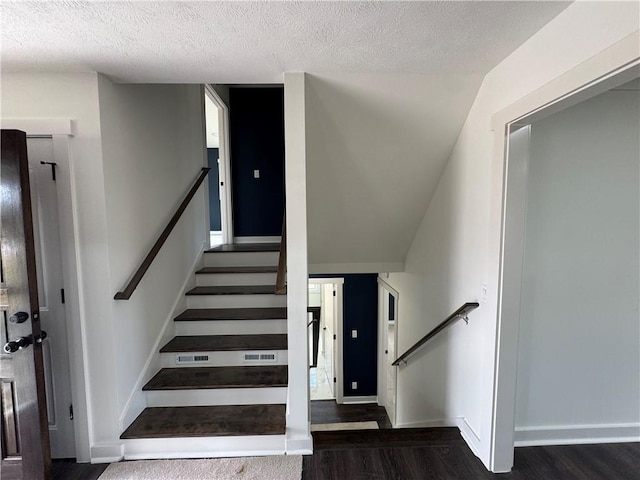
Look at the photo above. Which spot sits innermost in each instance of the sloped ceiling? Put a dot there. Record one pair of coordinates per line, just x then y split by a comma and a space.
376, 146
255, 42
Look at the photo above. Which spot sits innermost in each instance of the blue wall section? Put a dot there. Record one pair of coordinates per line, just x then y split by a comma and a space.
214, 190
256, 130
360, 312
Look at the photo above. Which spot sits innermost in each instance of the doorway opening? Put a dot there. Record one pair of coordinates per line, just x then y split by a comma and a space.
569, 262
219, 186
324, 337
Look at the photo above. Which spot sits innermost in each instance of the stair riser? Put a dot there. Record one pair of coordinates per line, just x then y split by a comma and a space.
231, 327
241, 259
218, 396
236, 301
204, 447
217, 279
222, 359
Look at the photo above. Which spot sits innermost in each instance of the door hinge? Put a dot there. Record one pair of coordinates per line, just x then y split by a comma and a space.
334, 293
222, 184
53, 169
334, 336
71, 412
334, 379
62, 295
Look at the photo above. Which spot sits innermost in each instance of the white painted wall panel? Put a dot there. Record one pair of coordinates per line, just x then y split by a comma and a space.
579, 347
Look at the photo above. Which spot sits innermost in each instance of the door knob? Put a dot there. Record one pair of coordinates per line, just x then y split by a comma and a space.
14, 346
19, 317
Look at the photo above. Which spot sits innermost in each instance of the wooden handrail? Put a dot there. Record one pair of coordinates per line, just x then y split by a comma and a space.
459, 313
126, 293
281, 278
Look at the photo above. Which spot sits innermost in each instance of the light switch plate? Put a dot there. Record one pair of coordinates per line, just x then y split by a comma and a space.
256, 174
354, 385
354, 333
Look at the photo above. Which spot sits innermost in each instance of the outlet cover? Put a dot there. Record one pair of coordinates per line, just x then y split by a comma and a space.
354, 333
354, 385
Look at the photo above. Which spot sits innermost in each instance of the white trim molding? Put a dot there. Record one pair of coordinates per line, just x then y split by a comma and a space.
577, 434
274, 239
107, 452
39, 127
361, 399
333, 268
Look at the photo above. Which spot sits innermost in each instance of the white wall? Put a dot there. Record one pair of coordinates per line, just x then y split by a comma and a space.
153, 150
130, 164
377, 144
579, 346
75, 96
455, 250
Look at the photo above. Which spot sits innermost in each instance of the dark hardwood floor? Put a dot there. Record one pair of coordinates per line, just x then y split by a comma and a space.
68, 469
328, 411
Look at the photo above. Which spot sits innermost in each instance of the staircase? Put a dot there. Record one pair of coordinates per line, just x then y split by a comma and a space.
222, 388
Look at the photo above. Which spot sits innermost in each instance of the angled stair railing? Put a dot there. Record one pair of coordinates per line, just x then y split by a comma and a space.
281, 279
461, 313
126, 293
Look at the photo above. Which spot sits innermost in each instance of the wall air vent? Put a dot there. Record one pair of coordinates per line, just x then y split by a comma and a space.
182, 359
262, 357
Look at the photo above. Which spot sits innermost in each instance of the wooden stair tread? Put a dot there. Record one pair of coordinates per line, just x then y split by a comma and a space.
398, 437
234, 290
200, 314
228, 343
196, 378
257, 269
209, 421
245, 247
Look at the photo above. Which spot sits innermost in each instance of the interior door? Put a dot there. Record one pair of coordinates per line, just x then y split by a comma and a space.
55, 350
24, 445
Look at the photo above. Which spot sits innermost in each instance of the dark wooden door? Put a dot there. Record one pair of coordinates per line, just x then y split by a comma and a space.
24, 446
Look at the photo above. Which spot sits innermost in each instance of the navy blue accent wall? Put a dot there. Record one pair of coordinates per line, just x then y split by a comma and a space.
214, 190
256, 131
360, 312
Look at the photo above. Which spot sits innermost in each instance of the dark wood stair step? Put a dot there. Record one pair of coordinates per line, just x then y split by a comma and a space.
218, 421
225, 343
204, 314
234, 290
268, 269
397, 437
196, 378
245, 247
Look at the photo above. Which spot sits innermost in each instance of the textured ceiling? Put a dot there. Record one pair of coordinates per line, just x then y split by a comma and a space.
247, 42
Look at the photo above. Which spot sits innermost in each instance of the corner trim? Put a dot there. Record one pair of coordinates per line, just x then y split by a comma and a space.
107, 452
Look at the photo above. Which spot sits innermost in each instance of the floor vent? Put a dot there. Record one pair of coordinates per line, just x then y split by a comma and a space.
182, 359
260, 357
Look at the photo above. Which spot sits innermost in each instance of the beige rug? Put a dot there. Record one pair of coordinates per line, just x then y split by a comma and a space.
284, 467
325, 427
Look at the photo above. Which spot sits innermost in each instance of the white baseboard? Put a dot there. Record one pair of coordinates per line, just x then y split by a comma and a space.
107, 452
299, 446
470, 436
256, 239
136, 402
577, 434
355, 400
445, 422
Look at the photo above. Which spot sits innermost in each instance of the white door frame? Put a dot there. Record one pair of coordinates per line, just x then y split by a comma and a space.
226, 207
338, 346
612, 67
60, 131
384, 289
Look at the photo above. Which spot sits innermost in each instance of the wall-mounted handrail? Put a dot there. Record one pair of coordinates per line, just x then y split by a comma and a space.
281, 278
462, 312
126, 293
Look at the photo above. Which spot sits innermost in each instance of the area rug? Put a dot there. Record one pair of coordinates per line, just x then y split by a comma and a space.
284, 467
326, 427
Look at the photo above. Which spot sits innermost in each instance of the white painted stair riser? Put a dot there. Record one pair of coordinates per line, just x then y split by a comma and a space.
236, 301
231, 327
241, 259
217, 279
204, 447
222, 359
216, 396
